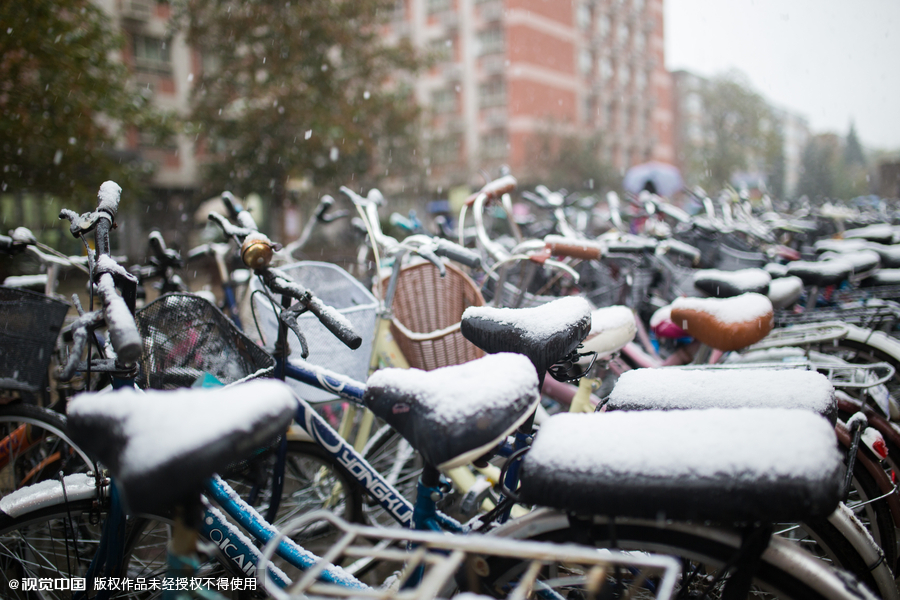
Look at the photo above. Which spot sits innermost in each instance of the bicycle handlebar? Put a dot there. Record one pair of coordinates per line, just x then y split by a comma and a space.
238, 212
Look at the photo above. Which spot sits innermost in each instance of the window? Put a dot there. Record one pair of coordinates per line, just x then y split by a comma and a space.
603, 26
583, 16
606, 69
640, 42
436, 6
443, 101
490, 41
640, 80
494, 145
622, 33
624, 76
585, 61
441, 49
151, 54
492, 93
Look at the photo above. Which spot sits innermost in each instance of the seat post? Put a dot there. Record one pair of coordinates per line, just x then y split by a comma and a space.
812, 298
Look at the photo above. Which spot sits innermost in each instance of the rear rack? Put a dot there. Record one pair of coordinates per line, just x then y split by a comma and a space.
428, 565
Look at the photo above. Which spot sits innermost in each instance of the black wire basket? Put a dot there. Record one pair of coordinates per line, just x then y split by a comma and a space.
189, 342
29, 326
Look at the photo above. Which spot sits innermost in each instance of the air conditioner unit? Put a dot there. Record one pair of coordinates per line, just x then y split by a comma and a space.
138, 10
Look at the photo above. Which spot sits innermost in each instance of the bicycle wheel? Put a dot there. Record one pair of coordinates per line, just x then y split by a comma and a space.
34, 447
313, 480
392, 456
784, 572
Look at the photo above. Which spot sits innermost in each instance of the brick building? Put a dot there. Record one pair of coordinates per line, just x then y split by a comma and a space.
511, 71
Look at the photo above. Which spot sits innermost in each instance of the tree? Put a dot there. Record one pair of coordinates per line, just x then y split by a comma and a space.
65, 101
820, 160
735, 136
567, 161
299, 90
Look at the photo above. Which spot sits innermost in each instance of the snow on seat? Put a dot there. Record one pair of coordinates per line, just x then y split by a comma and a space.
881, 233
822, 273
890, 254
723, 465
725, 323
831, 245
884, 277
455, 414
162, 445
611, 328
685, 389
725, 284
545, 334
862, 260
785, 291
776, 270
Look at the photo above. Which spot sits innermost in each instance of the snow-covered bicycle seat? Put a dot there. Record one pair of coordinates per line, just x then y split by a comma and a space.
723, 465
161, 446
821, 273
726, 284
546, 334
785, 291
611, 328
725, 323
699, 388
863, 261
456, 414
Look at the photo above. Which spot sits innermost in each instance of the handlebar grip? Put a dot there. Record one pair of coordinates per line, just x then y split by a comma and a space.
324, 204
123, 332
498, 187
109, 195
231, 205
562, 246
335, 322
453, 251
157, 244
6, 244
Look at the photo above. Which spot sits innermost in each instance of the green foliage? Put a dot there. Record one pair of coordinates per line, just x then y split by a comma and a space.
64, 100
743, 133
567, 161
299, 90
833, 168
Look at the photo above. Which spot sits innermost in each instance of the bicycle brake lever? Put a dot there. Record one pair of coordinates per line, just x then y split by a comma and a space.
426, 251
289, 317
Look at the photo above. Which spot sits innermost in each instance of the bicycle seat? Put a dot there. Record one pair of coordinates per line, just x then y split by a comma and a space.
723, 465
862, 260
785, 291
881, 233
776, 270
725, 323
456, 414
883, 277
725, 284
830, 245
663, 326
826, 272
890, 254
611, 328
545, 334
162, 445
698, 388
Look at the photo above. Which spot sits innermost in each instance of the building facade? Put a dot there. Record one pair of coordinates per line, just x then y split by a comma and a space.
509, 73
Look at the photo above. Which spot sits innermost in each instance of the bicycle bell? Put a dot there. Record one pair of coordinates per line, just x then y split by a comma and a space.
257, 251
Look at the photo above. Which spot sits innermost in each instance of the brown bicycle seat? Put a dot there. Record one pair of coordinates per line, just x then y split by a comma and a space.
725, 323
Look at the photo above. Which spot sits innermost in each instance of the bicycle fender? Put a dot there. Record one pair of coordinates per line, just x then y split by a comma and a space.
79, 486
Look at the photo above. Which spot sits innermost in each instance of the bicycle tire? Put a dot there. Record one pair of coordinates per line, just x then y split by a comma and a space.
313, 480
392, 456
35, 446
704, 549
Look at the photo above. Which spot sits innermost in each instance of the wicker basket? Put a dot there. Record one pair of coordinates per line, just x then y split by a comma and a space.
29, 325
427, 309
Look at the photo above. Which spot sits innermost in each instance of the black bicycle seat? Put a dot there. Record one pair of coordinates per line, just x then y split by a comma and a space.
723, 465
161, 446
826, 272
726, 284
545, 334
454, 415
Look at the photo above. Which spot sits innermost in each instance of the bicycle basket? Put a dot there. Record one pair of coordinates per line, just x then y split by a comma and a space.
427, 309
338, 289
29, 325
186, 338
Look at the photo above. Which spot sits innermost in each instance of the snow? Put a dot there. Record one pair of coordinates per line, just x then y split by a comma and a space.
48, 493
611, 317
743, 278
887, 276
881, 230
832, 267
19, 281
739, 309
163, 425
109, 195
611, 328
540, 322
860, 259
784, 289
114, 308
681, 389
747, 444
461, 392
107, 264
